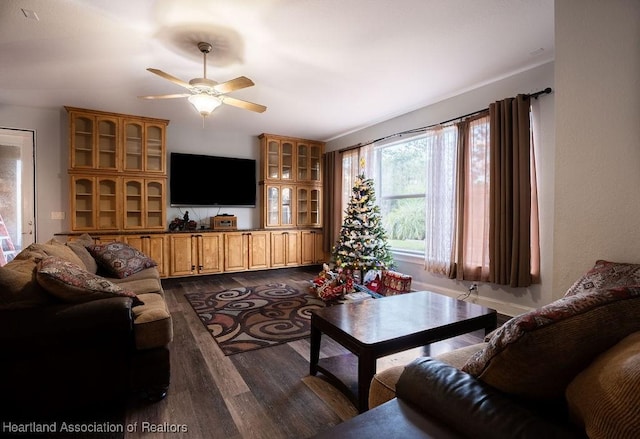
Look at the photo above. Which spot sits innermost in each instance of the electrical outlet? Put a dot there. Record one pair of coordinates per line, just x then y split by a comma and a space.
57, 215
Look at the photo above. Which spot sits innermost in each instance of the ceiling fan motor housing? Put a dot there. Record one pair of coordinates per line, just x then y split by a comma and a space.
204, 47
203, 84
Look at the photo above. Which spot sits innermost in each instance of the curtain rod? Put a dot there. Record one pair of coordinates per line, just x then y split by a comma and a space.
419, 130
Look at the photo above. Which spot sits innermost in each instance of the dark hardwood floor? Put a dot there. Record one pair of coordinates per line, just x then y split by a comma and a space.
266, 393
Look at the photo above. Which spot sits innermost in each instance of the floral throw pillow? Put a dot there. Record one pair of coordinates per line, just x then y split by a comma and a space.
538, 353
605, 274
120, 259
71, 283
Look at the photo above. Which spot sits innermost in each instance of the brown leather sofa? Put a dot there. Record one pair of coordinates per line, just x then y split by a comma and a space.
568, 369
59, 352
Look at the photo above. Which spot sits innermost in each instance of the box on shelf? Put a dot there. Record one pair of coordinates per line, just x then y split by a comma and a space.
224, 222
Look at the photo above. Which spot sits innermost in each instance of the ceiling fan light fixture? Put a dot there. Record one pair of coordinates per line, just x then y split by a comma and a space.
204, 103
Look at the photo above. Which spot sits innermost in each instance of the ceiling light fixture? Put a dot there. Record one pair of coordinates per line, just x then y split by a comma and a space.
204, 103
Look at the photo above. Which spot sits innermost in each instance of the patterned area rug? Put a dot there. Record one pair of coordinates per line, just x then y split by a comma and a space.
247, 318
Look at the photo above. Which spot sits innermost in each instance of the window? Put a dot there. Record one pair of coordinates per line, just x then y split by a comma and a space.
416, 191
400, 192
440, 197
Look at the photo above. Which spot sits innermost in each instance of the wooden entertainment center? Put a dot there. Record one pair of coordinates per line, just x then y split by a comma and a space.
118, 179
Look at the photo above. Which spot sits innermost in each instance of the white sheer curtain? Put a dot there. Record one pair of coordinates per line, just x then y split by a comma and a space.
440, 199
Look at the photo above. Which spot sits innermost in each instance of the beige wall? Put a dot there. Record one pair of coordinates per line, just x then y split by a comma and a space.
597, 171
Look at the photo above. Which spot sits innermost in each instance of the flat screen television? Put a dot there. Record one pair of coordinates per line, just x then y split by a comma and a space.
205, 180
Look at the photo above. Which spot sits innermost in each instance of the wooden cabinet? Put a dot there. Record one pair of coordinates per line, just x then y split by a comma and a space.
309, 159
93, 141
246, 250
291, 180
117, 169
285, 248
143, 147
197, 253
152, 246
278, 158
308, 206
311, 243
278, 204
144, 204
95, 203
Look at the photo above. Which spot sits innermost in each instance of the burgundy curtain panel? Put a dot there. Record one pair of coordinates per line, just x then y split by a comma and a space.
510, 193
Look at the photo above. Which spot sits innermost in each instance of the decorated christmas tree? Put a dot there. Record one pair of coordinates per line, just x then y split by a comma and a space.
362, 244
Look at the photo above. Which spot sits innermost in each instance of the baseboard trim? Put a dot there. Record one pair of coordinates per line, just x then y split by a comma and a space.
506, 308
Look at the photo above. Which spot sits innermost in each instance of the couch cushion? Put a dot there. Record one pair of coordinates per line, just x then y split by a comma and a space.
383, 386
79, 247
19, 289
459, 357
605, 397
537, 354
58, 249
71, 283
120, 259
605, 274
152, 324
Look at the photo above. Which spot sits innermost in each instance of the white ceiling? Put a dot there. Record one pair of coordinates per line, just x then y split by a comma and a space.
322, 67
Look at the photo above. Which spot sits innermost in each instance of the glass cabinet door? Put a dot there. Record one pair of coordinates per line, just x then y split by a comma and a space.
286, 214
107, 143
315, 218
303, 206
82, 143
107, 203
273, 159
154, 206
315, 156
133, 204
309, 206
273, 205
287, 161
133, 146
154, 156
83, 192
303, 162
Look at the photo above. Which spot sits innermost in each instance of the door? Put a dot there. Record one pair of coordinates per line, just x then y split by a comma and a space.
17, 191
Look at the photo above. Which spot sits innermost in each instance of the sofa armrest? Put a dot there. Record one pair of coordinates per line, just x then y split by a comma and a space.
66, 326
472, 407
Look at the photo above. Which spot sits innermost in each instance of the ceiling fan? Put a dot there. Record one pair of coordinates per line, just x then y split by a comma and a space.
205, 94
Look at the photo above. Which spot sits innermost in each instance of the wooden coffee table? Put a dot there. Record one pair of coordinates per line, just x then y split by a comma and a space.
374, 328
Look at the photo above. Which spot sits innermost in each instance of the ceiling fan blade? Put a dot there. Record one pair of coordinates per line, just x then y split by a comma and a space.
243, 104
234, 84
171, 78
173, 96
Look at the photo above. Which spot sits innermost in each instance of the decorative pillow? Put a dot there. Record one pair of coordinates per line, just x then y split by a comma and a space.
120, 259
70, 283
606, 274
605, 397
538, 353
